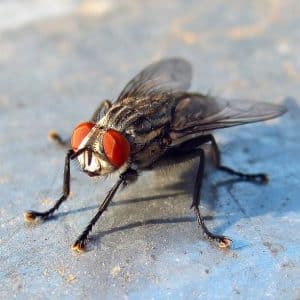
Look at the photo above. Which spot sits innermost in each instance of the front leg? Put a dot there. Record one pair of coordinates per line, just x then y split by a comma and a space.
32, 215
102, 108
79, 244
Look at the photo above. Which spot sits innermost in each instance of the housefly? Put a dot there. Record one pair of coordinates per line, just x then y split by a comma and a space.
155, 117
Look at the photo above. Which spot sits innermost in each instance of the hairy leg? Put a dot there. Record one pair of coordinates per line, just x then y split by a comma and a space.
102, 108
79, 244
260, 177
32, 215
222, 241
190, 145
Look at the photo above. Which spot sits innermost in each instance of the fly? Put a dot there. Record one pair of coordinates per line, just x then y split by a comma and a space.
155, 117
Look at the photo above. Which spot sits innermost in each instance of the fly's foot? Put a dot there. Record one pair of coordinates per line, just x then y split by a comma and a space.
260, 178
31, 216
54, 136
223, 242
263, 178
79, 246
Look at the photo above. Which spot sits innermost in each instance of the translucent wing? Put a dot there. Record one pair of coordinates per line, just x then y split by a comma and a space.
167, 76
200, 114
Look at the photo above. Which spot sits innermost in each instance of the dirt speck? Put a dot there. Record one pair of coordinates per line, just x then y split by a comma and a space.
67, 278
71, 278
115, 271
273, 248
287, 264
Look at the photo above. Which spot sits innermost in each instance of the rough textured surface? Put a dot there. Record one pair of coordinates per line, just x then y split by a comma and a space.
57, 66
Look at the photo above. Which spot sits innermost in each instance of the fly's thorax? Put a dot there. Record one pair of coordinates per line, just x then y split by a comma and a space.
104, 150
145, 122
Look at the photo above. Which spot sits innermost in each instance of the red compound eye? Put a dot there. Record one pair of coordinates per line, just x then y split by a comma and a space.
116, 147
79, 133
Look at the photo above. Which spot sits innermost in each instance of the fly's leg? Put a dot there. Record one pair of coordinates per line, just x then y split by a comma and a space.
54, 136
79, 244
260, 177
223, 241
191, 145
31, 215
104, 106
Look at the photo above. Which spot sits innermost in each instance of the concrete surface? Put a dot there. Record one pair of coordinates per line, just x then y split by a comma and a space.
57, 66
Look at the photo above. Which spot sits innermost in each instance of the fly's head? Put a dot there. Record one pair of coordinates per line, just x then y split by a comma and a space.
101, 151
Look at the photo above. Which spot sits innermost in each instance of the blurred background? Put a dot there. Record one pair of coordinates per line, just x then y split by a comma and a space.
58, 60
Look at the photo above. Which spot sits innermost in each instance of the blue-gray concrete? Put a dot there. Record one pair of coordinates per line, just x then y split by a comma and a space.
54, 70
